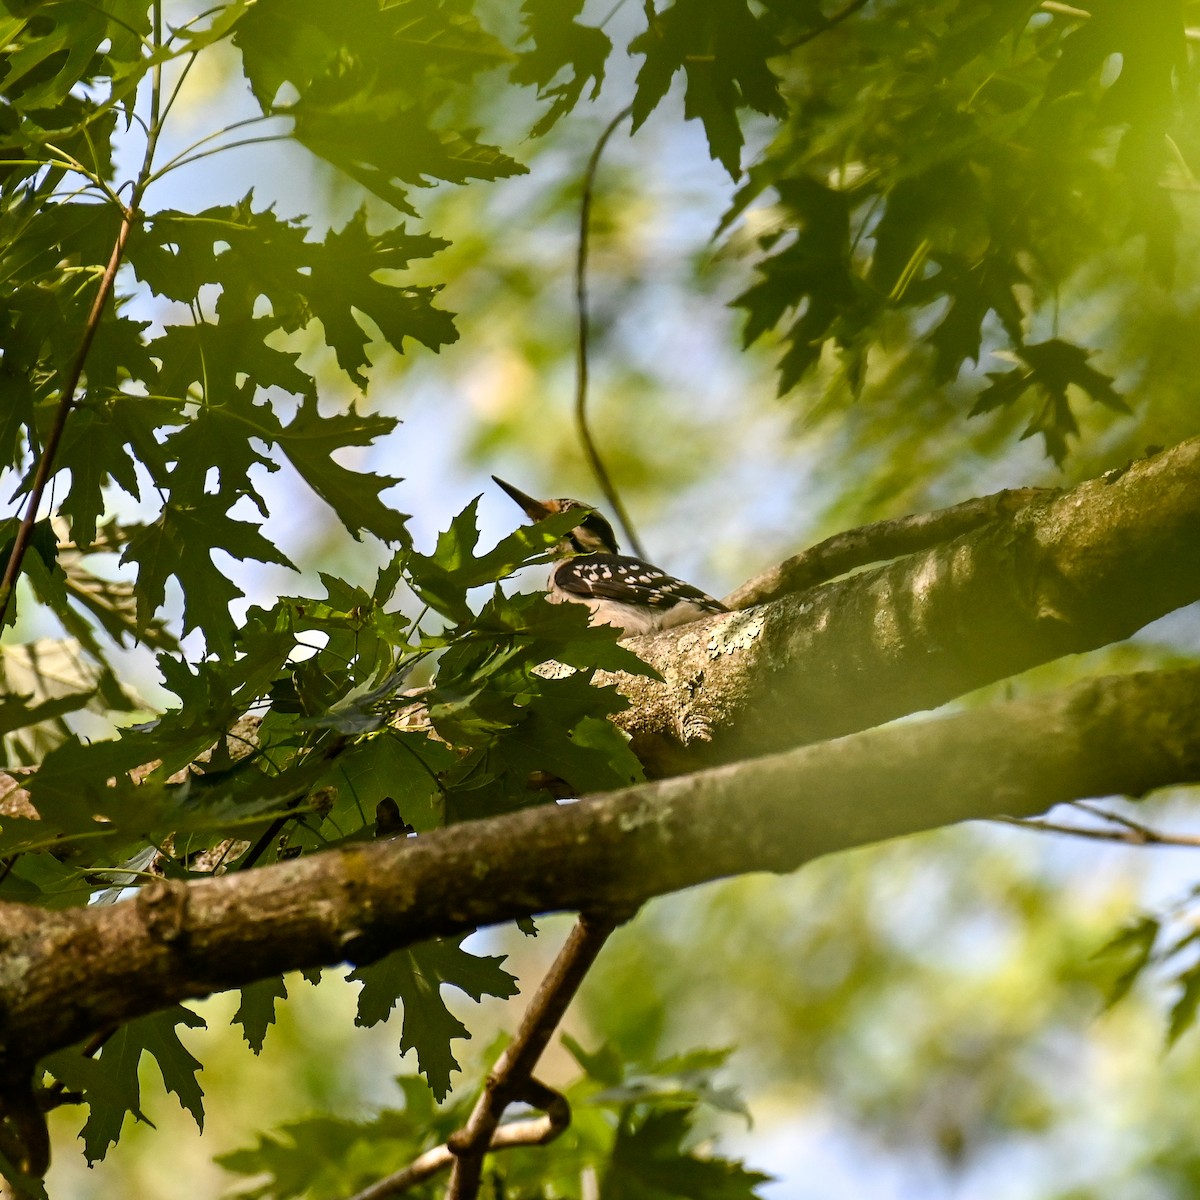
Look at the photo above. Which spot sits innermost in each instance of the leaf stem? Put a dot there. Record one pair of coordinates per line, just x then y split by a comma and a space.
186, 157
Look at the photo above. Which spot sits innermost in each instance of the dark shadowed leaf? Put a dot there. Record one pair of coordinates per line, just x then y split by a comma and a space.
414, 977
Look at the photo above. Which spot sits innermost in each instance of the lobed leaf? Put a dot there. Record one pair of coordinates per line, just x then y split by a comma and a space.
414, 977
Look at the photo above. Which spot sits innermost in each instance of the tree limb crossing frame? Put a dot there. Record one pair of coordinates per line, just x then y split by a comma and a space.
1091, 566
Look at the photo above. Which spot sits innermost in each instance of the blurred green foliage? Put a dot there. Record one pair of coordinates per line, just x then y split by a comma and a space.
942, 228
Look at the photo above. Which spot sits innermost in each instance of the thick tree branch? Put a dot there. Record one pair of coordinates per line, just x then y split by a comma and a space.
1062, 575
854, 548
66, 974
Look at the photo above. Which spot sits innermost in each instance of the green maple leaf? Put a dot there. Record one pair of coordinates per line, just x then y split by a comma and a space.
415, 977
591, 755
560, 43
302, 1158
246, 253
71, 781
343, 279
226, 361
249, 255
221, 439
256, 1012
54, 53
443, 579
364, 42
110, 1081
723, 48
975, 289
309, 441
651, 1161
395, 765
18, 712
1051, 367
371, 79
16, 404
812, 272
1183, 1011
1131, 951
558, 631
179, 545
103, 441
1151, 43
358, 135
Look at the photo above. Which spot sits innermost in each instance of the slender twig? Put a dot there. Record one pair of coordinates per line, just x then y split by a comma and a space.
176, 163
827, 23
1094, 810
73, 164
260, 847
508, 1079
183, 74
879, 541
67, 396
511, 1081
583, 429
535, 1131
1128, 833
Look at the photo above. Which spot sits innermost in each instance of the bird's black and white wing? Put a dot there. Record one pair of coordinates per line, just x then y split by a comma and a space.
629, 593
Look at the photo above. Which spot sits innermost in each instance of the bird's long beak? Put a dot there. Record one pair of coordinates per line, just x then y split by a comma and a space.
535, 510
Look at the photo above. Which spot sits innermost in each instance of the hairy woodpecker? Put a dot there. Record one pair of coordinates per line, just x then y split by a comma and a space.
622, 591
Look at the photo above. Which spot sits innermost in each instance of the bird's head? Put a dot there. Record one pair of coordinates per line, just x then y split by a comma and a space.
593, 534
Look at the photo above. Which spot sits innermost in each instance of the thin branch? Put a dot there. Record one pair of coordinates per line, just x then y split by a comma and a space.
512, 1075
1128, 833
827, 23
879, 541
181, 161
183, 74
73, 164
1104, 814
511, 1081
536, 1131
67, 398
66, 404
583, 429
176, 940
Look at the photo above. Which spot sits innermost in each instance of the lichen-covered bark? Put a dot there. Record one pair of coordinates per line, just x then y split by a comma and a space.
1083, 569
1065, 574
65, 974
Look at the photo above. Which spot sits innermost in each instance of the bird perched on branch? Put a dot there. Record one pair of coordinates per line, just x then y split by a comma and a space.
620, 590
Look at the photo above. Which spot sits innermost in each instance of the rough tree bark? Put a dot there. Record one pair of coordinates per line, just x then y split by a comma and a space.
1067, 573
64, 974
1081, 570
